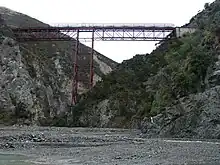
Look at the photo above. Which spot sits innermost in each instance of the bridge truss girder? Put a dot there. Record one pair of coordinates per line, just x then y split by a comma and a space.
104, 34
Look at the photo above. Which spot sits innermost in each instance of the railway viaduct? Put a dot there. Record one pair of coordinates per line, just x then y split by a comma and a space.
98, 32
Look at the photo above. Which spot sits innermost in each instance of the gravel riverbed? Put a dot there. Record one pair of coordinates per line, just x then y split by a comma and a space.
79, 146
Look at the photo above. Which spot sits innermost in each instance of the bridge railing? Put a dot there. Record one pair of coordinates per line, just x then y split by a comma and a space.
112, 25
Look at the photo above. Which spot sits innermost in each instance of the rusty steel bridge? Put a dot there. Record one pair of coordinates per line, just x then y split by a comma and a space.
91, 33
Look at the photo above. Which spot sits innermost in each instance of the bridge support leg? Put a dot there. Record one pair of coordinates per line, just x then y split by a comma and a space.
75, 72
92, 62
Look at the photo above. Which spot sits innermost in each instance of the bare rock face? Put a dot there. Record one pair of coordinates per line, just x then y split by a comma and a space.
25, 91
197, 116
36, 77
16, 85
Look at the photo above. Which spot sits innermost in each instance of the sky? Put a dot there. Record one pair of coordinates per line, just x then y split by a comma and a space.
177, 12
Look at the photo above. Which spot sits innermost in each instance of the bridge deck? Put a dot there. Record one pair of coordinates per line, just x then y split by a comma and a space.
104, 32
114, 24
90, 27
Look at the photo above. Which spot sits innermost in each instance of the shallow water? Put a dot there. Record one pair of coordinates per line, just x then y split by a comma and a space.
10, 159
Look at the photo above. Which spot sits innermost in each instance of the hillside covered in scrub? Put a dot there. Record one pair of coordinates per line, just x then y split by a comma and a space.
172, 92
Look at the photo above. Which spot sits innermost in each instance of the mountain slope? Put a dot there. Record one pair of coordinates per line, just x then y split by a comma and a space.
39, 74
172, 92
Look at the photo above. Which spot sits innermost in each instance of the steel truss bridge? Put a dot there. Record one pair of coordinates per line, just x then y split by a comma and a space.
91, 33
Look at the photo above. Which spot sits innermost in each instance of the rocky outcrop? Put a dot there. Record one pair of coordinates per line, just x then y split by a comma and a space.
36, 77
23, 97
16, 86
196, 116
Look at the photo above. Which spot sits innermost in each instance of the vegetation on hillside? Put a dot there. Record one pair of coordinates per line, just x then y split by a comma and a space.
146, 84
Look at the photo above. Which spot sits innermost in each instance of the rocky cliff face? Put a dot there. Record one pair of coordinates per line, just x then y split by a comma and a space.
36, 77
172, 92
194, 116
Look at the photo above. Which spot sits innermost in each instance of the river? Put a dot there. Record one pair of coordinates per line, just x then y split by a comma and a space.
93, 146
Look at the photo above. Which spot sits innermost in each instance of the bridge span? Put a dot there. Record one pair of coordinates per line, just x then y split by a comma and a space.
97, 32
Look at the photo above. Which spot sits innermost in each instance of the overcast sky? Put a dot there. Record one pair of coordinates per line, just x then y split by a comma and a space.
177, 12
